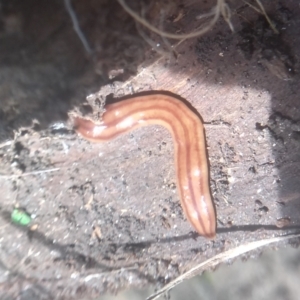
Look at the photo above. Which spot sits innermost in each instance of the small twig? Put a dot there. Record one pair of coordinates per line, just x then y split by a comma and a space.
166, 42
30, 173
263, 12
76, 26
230, 254
8, 143
150, 42
266, 16
147, 39
207, 15
87, 206
100, 275
252, 6
218, 10
226, 13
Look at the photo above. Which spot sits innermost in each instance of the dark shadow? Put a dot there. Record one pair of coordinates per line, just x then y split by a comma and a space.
139, 246
66, 253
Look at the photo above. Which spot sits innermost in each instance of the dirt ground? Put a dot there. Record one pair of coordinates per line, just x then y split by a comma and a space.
107, 216
275, 275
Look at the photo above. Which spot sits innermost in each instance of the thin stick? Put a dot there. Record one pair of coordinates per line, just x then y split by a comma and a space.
263, 12
266, 16
226, 13
8, 143
30, 173
230, 254
218, 9
76, 27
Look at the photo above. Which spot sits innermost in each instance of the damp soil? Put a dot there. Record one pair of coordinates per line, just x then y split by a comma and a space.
106, 217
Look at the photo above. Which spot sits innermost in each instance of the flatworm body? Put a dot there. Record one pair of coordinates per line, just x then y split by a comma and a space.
189, 141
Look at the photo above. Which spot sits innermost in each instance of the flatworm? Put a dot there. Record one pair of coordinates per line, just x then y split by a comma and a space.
187, 131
